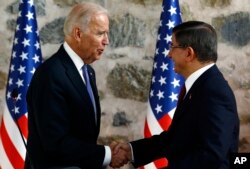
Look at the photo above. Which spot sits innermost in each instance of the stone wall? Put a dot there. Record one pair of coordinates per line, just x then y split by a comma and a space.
124, 71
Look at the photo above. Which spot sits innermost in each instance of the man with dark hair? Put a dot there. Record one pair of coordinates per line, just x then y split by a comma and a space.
205, 126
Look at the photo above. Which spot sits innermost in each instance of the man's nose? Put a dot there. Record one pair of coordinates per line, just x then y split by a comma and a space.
106, 39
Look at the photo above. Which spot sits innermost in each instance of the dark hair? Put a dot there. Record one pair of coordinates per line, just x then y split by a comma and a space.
200, 36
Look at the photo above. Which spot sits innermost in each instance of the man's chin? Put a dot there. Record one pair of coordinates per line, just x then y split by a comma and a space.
98, 56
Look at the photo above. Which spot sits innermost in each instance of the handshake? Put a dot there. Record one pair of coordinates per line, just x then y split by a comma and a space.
121, 154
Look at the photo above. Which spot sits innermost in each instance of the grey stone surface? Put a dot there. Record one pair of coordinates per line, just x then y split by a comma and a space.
39, 4
187, 14
234, 28
3, 80
53, 32
129, 81
11, 24
116, 56
68, 3
127, 31
146, 2
120, 119
216, 3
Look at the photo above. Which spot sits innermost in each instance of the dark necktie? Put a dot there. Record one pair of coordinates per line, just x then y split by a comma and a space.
88, 85
182, 94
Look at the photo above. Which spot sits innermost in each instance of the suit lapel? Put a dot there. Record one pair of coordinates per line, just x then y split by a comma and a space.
180, 110
76, 80
181, 107
73, 75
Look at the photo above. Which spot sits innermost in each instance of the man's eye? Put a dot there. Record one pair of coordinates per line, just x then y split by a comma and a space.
100, 33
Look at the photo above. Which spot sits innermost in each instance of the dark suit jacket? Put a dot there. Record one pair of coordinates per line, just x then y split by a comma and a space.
204, 129
62, 129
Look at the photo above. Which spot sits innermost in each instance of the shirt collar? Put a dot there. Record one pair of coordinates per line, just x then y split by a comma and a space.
78, 62
194, 76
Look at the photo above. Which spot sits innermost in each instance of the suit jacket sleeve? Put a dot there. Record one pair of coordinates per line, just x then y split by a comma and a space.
149, 149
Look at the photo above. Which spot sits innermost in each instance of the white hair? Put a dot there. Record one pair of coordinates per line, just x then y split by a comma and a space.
80, 16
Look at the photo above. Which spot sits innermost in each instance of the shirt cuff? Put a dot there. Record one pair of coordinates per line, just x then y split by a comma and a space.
107, 157
132, 154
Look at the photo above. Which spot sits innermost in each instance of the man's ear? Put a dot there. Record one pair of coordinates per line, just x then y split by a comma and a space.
77, 33
190, 54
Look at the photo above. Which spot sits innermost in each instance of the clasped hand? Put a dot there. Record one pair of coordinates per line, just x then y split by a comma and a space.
121, 154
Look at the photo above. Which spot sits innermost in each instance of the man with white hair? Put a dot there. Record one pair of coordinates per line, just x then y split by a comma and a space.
63, 102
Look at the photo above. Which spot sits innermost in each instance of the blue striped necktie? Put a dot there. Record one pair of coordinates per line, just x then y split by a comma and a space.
88, 85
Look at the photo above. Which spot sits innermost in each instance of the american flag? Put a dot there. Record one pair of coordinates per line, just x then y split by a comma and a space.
165, 83
26, 57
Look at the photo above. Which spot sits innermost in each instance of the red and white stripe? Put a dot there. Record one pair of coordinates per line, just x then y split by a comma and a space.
154, 127
12, 148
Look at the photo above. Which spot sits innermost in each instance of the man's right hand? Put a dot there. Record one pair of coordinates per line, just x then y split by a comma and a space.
121, 154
